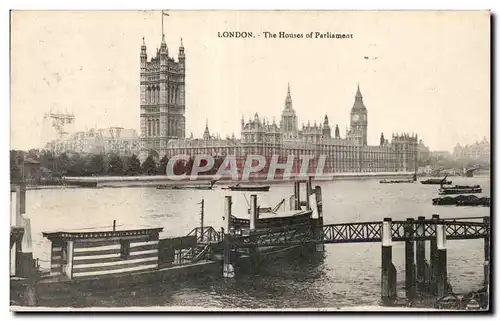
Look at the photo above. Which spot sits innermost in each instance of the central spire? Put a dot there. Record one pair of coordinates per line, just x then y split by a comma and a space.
288, 100
206, 133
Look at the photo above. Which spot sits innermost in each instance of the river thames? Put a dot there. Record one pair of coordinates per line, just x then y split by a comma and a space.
349, 274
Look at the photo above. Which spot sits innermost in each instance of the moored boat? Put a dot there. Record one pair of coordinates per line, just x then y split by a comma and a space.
436, 181
462, 200
412, 180
187, 187
249, 188
476, 189
396, 182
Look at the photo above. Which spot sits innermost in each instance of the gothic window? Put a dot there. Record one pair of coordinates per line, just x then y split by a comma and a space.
157, 127
149, 127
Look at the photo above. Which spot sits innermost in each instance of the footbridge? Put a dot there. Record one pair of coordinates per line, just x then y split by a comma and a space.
366, 232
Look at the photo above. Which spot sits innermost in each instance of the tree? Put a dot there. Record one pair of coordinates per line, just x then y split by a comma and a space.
95, 164
15, 172
63, 164
149, 166
133, 166
77, 166
162, 169
48, 160
115, 166
33, 154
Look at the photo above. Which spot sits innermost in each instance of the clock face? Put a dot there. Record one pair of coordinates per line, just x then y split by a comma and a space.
355, 118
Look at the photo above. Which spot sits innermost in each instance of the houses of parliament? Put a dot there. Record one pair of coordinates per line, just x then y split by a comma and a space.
162, 114
163, 130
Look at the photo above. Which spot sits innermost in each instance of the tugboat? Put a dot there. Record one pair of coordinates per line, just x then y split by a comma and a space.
459, 189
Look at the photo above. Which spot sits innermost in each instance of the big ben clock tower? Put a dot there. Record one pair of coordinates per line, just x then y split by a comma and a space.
359, 116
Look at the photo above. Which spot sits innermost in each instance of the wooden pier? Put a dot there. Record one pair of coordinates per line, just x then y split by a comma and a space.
421, 277
237, 244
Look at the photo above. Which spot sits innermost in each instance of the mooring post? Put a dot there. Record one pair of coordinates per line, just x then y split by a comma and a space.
297, 195
254, 215
228, 264
114, 225
420, 253
202, 218
486, 267
433, 258
410, 281
309, 193
26, 264
318, 224
441, 275
388, 279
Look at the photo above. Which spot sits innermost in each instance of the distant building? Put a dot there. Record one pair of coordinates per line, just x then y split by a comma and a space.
440, 155
348, 154
480, 151
123, 142
423, 152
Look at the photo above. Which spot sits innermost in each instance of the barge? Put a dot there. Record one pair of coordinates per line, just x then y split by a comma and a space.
249, 188
458, 189
462, 200
412, 180
436, 181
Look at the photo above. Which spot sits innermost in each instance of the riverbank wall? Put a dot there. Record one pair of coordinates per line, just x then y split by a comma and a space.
140, 181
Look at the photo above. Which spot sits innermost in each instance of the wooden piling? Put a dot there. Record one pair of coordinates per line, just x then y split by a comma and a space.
114, 225
318, 198
420, 253
410, 278
228, 264
296, 194
22, 198
441, 275
486, 267
433, 259
24, 262
254, 214
202, 219
308, 192
388, 286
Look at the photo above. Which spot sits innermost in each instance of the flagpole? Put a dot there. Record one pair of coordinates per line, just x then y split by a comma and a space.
162, 23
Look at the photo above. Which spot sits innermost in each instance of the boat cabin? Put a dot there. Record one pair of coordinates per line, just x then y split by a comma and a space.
98, 253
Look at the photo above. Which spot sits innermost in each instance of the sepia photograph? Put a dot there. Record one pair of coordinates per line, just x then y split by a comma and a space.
184, 160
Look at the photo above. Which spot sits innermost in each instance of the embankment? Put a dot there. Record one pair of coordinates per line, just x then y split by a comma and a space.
137, 181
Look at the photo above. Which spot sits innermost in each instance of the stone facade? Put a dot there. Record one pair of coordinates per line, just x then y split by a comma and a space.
162, 98
348, 154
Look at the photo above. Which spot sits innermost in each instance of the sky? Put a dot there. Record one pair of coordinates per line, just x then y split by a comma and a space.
422, 72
